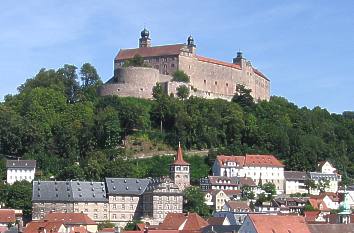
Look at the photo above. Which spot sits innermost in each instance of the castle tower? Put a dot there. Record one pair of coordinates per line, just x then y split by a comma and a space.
144, 41
239, 59
191, 45
179, 170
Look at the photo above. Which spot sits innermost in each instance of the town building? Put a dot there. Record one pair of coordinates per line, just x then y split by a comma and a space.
216, 199
70, 197
300, 182
260, 168
62, 223
162, 196
295, 182
118, 200
209, 78
225, 183
291, 205
18, 170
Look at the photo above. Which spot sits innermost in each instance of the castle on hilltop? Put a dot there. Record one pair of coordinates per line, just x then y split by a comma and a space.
209, 78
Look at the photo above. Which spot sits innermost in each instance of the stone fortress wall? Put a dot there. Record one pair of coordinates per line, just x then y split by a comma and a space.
134, 81
209, 78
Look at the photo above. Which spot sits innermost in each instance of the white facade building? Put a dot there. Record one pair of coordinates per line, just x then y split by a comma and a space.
295, 182
260, 168
18, 170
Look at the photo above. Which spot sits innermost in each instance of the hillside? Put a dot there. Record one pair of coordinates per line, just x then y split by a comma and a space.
58, 119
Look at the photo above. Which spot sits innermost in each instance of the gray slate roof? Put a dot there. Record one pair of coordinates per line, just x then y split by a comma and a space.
68, 191
126, 186
319, 175
21, 163
295, 175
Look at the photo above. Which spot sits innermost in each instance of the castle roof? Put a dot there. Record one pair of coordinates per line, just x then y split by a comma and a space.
155, 51
217, 62
179, 158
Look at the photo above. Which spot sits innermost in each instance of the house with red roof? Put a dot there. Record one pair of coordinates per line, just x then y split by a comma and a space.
62, 223
274, 224
260, 168
7, 216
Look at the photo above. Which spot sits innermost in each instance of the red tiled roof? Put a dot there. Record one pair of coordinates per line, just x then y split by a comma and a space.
331, 228
172, 221
216, 220
251, 160
179, 158
41, 226
217, 62
140, 226
7, 216
238, 205
279, 224
247, 181
239, 160
310, 216
232, 192
262, 160
318, 204
260, 74
155, 51
78, 230
70, 218
107, 230
194, 222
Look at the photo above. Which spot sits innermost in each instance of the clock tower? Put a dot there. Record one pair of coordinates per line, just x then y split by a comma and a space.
180, 170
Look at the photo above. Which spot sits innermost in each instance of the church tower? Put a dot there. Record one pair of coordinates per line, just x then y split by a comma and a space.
179, 170
145, 40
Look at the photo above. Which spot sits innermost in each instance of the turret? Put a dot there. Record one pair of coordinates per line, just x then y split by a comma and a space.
145, 40
191, 45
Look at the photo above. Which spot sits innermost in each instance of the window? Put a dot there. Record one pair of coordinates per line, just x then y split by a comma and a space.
86, 210
227, 84
216, 83
123, 216
95, 216
114, 206
204, 81
123, 207
172, 65
114, 216
131, 207
105, 216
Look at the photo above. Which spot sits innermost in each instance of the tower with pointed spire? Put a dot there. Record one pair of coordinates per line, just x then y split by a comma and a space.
144, 40
180, 170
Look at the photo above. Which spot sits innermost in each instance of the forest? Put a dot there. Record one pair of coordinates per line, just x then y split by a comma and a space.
58, 119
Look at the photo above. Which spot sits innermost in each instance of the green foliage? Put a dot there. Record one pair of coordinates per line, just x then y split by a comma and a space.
309, 207
180, 76
105, 224
57, 120
137, 61
19, 196
182, 92
247, 193
194, 202
132, 225
243, 96
199, 167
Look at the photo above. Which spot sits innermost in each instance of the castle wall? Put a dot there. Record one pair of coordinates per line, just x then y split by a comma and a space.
133, 81
220, 80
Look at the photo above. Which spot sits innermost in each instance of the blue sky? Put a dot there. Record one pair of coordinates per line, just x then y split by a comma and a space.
305, 47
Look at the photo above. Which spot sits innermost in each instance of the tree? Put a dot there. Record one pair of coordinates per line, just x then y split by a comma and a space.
137, 61
105, 224
195, 202
322, 185
243, 96
182, 92
310, 184
180, 76
247, 192
19, 197
132, 225
72, 172
269, 191
89, 76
